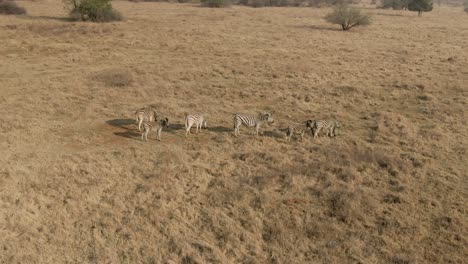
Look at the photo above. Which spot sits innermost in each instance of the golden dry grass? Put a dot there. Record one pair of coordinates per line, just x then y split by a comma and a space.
77, 185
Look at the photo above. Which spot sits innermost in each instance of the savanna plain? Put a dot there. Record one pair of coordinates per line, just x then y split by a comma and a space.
78, 186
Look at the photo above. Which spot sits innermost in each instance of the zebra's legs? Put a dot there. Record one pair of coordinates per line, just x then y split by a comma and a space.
159, 134
140, 121
317, 132
144, 135
187, 132
236, 129
302, 135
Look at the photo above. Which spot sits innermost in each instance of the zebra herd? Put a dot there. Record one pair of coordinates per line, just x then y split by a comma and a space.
148, 119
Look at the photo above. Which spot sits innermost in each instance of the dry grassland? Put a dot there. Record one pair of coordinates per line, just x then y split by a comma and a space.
77, 185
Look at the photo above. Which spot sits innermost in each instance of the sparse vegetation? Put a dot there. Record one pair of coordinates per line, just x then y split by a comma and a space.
347, 17
465, 4
420, 6
93, 10
77, 185
8, 7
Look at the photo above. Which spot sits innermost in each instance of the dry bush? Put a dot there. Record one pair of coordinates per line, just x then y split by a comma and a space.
93, 10
215, 3
115, 78
395, 4
8, 7
348, 17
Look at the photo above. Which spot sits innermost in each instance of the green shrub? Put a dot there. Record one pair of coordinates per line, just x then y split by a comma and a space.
420, 6
348, 17
215, 3
395, 4
93, 10
8, 7
465, 4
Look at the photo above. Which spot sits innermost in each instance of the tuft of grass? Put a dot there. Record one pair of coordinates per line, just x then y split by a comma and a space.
115, 78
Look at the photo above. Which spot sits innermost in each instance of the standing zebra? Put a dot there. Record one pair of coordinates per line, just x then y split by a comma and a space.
251, 121
145, 114
295, 129
198, 120
329, 126
154, 126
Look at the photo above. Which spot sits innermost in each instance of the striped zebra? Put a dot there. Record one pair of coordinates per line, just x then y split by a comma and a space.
145, 114
328, 126
198, 120
153, 126
295, 130
251, 121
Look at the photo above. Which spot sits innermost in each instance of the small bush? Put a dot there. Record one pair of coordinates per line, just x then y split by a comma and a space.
93, 10
420, 6
348, 17
395, 4
11, 8
215, 3
264, 3
465, 4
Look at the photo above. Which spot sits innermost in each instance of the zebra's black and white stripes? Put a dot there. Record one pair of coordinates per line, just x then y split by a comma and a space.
154, 126
251, 121
195, 119
147, 114
295, 130
329, 126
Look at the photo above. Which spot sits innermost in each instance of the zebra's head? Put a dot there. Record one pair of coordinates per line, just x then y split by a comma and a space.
266, 116
309, 123
164, 122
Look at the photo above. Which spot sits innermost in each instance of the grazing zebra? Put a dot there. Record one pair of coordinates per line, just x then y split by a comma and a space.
198, 120
317, 125
294, 130
154, 126
251, 121
145, 114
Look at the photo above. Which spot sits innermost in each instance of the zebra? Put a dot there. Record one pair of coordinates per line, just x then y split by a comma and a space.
145, 114
251, 121
198, 120
316, 125
154, 126
294, 129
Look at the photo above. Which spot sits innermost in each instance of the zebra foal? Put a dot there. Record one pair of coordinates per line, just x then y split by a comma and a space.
147, 114
295, 130
154, 126
251, 121
198, 120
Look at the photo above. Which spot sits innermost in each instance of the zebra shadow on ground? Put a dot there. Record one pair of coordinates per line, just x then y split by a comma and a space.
122, 123
128, 134
220, 129
274, 134
131, 132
